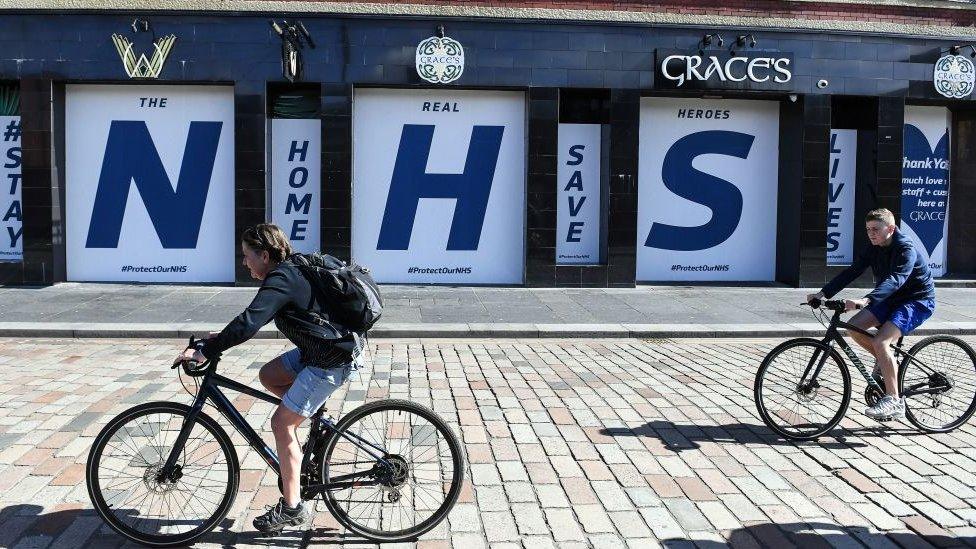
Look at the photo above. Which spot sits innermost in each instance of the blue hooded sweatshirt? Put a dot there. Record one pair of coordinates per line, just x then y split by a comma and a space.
901, 274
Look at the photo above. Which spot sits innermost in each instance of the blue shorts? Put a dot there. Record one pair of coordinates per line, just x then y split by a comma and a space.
906, 316
312, 385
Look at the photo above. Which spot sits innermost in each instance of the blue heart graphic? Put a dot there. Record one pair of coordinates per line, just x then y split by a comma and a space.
920, 218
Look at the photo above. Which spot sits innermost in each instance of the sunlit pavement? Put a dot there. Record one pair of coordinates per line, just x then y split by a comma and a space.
569, 443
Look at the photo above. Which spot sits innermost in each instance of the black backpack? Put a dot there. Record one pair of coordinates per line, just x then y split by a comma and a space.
348, 292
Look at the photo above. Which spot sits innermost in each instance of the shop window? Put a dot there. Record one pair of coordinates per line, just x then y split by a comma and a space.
852, 179
11, 209
294, 190
582, 192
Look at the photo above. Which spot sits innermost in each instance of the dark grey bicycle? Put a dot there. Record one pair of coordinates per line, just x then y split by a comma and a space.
164, 474
803, 387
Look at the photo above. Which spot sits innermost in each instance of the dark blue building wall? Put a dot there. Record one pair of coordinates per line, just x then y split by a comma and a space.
497, 54
45, 51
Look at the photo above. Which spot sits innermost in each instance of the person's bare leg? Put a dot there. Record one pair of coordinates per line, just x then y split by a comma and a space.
284, 423
864, 320
276, 378
887, 334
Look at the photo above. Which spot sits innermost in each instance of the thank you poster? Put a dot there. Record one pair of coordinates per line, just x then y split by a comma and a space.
925, 182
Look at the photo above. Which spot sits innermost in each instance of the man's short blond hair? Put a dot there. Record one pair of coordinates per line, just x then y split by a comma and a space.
883, 215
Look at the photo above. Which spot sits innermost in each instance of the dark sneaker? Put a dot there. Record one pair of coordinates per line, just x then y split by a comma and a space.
887, 409
281, 515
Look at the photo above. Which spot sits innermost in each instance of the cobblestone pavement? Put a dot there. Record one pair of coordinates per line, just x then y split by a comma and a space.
617, 443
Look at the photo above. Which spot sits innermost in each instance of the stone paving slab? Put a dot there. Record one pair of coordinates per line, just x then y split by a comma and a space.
569, 443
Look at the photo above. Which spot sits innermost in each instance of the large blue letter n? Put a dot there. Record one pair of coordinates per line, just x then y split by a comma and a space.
411, 182
130, 155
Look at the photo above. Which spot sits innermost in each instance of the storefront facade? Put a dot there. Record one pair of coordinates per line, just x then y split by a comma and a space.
475, 151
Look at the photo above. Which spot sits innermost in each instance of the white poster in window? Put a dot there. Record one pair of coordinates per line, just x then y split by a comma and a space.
150, 183
296, 184
439, 185
840, 197
708, 179
11, 207
578, 196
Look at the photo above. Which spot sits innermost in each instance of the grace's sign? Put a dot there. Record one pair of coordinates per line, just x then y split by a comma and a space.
723, 70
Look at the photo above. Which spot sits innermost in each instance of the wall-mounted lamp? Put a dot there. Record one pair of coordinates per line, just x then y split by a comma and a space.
140, 24
708, 39
956, 49
740, 42
294, 38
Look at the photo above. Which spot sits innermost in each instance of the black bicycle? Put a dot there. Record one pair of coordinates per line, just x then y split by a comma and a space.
164, 474
803, 387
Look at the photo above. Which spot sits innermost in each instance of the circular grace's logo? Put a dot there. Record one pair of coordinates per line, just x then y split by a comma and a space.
954, 76
440, 60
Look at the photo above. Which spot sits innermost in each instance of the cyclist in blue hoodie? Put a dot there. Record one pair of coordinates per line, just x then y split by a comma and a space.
903, 298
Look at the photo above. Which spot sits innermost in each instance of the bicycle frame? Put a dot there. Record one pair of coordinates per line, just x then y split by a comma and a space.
833, 335
210, 389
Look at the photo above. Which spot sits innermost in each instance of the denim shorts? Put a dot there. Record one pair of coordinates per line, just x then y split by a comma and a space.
906, 316
312, 385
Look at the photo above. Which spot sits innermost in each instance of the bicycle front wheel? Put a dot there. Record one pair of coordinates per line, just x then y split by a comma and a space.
938, 381
794, 402
411, 489
125, 486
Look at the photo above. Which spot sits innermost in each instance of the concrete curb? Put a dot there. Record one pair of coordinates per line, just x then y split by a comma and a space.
467, 331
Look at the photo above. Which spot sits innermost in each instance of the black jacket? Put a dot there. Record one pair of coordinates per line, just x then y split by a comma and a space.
900, 273
286, 297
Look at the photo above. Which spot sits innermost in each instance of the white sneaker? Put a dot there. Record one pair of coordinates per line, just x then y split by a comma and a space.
887, 408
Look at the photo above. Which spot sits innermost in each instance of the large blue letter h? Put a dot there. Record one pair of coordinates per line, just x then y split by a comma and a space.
411, 182
130, 155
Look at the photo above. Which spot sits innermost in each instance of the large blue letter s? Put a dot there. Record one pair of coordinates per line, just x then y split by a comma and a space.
411, 182
722, 197
130, 155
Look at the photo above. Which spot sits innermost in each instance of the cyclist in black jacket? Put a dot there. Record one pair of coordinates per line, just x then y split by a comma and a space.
303, 377
904, 298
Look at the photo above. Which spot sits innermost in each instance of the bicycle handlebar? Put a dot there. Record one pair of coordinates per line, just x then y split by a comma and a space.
831, 304
192, 367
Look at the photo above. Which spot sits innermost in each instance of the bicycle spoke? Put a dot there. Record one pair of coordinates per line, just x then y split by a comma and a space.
426, 465
143, 503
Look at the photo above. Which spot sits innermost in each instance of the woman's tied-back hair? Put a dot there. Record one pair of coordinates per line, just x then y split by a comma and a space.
270, 238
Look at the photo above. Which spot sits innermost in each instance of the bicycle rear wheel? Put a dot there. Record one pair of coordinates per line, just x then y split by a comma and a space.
125, 488
939, 383
410, 496
802, 409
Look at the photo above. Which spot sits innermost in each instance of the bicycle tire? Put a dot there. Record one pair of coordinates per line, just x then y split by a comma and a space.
103, 509
907, 363
453, 492
758, 389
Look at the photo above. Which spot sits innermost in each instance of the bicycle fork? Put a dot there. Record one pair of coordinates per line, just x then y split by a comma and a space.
172, 471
